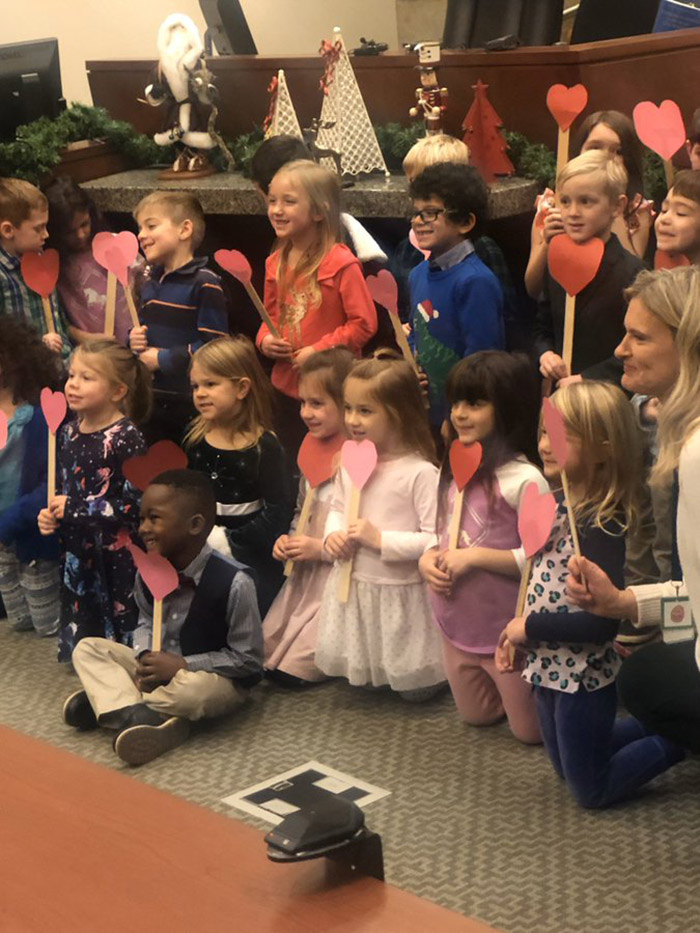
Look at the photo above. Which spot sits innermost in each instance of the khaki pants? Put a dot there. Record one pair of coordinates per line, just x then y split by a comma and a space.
107, 671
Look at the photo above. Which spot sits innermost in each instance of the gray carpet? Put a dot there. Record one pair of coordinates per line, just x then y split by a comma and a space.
475, 821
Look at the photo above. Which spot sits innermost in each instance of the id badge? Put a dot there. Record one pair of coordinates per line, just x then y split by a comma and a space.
677, 619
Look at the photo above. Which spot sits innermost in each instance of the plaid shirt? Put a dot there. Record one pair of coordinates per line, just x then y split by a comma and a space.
20, 301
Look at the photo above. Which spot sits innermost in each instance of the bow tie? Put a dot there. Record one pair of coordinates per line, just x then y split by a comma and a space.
186, 582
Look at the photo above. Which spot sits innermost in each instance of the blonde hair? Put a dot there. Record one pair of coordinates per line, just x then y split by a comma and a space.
679, 416
394, 386
18, 199
235, 358
669, 294
178, 206
609, 173
120, 367
433, 149
323, 191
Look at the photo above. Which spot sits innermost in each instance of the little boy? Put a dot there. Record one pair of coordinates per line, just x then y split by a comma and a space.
182, 305
692, 143
212, 638
24, 213
590, 194
456, 301
678, 225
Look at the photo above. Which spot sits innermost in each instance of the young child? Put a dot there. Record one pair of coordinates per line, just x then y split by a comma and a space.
23, 218
677, 226
290, 627
29, 574
232, 442
384, 633
82, 284
108, 389
464, 301
473, 590
182, 304
692, 143
591, 194
570, 658
212, 647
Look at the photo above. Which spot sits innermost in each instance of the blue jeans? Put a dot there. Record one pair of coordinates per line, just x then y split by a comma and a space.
601, 760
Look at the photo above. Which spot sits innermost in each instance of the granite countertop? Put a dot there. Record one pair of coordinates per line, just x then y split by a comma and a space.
231, 193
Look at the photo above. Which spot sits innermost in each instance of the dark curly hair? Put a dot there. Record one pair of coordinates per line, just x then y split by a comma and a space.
460, 188
26, 363
272, 154
66, 199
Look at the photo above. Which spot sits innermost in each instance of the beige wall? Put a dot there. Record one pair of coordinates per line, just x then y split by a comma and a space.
100, 29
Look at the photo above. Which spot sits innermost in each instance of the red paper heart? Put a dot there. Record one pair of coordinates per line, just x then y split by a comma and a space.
115, 252
234, 262
664, 260
464, 461
4, 428
535, 518
660, 128
574, 265
53, 405
566, 103
162, 456
359, 459
318, 458
384, 290
40, 271
556, 432
156, 571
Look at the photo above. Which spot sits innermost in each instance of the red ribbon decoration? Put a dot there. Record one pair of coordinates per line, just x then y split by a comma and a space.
330, 52
272, 91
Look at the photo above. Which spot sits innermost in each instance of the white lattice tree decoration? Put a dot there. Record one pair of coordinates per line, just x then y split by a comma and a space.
282, 117
345, 125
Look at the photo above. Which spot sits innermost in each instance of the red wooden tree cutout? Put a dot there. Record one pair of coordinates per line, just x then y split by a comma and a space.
483, 133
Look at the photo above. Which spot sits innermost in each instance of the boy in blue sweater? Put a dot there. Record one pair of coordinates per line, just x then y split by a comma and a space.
182, 305
456, 301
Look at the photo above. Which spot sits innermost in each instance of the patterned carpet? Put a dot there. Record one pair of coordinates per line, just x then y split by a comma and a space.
475, 821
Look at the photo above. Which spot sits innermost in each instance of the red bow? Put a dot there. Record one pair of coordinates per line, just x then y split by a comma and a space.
330, 52
272, 91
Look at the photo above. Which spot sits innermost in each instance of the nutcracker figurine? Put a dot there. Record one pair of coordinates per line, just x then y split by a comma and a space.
431, 99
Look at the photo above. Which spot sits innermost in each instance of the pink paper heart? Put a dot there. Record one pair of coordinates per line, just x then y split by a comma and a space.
40, 271
574, 265
53, 405
464, 461
4, 428
156, 571
413, 240
535, 518
115, 252
384, 290
234, 262
566, 103
556, 431
660, 128
664, 260
359, 458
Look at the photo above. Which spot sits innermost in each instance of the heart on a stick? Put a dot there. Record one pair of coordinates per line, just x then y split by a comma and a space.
4, 428
535, 518
359, 458
54, 407
556, 432
566, 103
162, 456
156, 571
40, 271
384, 290
464, 461
664, 260
318, 458
660, 128
115, 252
235, 263
574, 265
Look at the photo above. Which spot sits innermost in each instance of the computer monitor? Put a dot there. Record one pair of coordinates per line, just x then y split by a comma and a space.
227, 28
30, 84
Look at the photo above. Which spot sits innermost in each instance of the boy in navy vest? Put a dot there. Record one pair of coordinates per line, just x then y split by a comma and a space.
212, 638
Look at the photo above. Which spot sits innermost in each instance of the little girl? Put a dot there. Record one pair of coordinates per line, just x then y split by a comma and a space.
291, 625
108, 389
384, 633
570, 658
73, 221
314, 288
473, 589
232, 442
29, 573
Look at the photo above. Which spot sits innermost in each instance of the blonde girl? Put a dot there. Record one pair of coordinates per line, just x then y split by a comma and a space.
384, 633
108, 391
570, 657
231, 441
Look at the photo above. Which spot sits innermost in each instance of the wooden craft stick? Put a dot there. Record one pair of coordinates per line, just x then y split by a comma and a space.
570, 513
260, 308
131, 306
456, 520
157, 639
301, 527
520, 604
346, 569
569, 320
402, 341
51, 483
562, 149
111, 305
669, 172
48, 315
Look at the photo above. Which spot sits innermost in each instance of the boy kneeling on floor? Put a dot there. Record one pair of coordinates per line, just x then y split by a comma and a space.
212, 637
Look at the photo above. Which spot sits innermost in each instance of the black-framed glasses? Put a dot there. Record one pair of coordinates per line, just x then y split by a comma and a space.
428, 215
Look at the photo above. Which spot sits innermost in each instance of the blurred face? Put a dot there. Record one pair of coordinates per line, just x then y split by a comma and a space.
289, 210
433, 228
575, 465
586, 211
29, 236
165, 527
216, 398
648, 353
160, 237
604, 138
88, 391
693, 150
319, 412
678, 226
366, 419
79, 233
473, 421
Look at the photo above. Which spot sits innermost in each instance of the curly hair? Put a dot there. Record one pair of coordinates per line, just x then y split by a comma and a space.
26, 363
66, 199
460, 188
